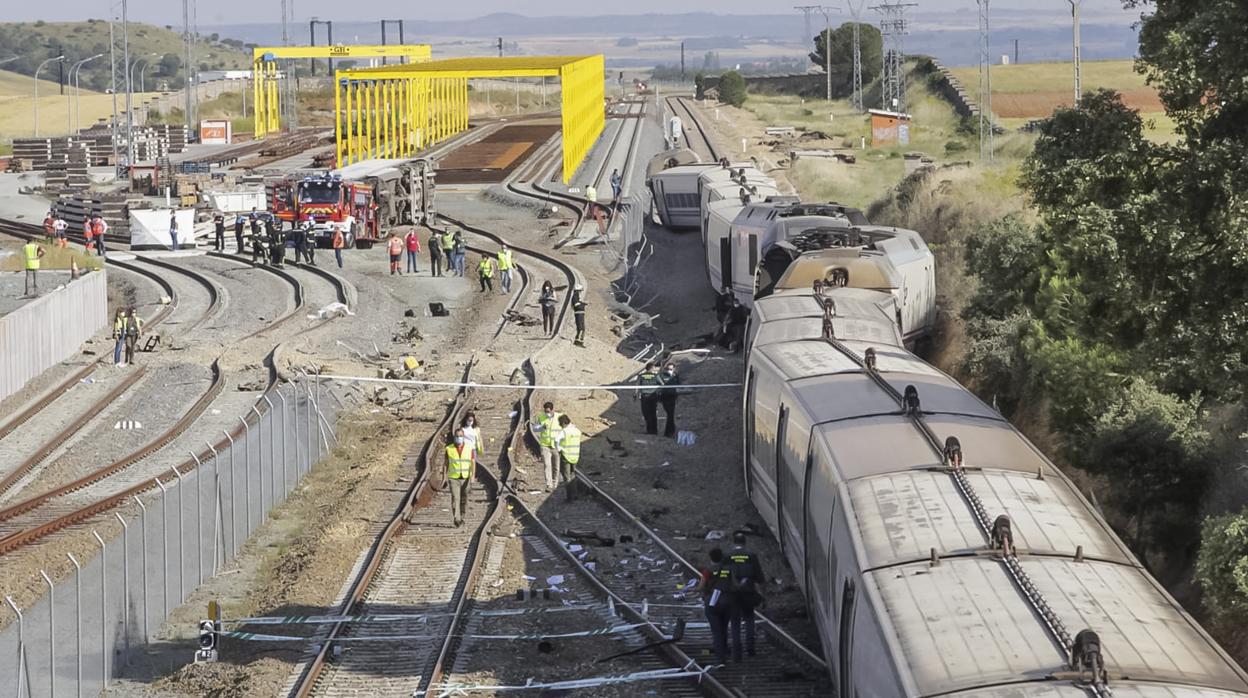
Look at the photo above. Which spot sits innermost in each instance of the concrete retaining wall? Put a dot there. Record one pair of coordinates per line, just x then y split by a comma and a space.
50, 329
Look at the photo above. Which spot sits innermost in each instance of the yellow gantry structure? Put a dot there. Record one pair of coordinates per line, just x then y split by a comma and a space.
395, 111
264, 71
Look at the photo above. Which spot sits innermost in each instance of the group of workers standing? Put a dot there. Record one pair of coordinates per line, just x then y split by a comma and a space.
731, 587
658, 387
558, 438
268, 239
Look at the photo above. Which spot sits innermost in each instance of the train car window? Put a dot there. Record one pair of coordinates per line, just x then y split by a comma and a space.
749, 440
780, 476
846, 645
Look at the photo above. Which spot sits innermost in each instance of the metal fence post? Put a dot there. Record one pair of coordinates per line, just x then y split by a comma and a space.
125, 582
77, 617
247, 470
103, 608
199, 519
260, 465
307, 393
164, 555
181, 535
272, 454
285, 469
295, 400
143, 528
216, 469
51, 633
23, 675
233, 497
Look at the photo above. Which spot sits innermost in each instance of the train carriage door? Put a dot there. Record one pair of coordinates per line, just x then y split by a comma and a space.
748, 423
725, 261
807, 513
846, 640
782, 423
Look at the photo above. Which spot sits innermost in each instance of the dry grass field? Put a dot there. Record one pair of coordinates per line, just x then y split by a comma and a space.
17, 107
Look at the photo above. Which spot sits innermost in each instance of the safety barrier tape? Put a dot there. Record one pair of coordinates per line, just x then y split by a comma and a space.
444, 690
392, 618
259, 637
510, 386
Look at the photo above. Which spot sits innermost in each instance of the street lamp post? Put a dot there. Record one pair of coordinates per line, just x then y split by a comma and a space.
75, 74
143, 76
135, 64
10, 59
57, 58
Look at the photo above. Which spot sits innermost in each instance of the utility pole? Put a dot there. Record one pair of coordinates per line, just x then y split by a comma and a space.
186, 47
500, 47
385, 22
61, 73
893, 27
682, 60
1074, 13
806, 10
119, 54
855, 10
985, 86
1016, 52
827, 48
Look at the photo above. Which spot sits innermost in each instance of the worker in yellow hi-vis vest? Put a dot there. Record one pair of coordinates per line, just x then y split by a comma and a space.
547, 431
461, 460
504, 269
32, 253
569, 454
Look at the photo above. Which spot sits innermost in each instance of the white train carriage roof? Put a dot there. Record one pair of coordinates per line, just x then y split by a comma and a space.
797, 314
901, 517
962, 624
1121, 690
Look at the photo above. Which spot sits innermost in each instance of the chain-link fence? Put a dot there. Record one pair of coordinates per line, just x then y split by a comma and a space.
170, 539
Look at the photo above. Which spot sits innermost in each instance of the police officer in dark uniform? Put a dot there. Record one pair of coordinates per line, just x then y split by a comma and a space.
309, 243
717, 603
218, 222
578, 313
667, 395
277, 242
649, 395
239, 222
299, 236
746, 580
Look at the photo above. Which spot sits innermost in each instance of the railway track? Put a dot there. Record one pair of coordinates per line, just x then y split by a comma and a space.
702, 144
421, 567
30, 520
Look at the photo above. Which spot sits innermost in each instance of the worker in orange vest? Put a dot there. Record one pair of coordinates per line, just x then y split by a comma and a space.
48, 220
338, 243
99, 228
88, 233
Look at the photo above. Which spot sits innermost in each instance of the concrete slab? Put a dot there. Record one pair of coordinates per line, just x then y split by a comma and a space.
23, 207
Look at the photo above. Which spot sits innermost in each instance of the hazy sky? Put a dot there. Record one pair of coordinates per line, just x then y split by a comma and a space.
253, 11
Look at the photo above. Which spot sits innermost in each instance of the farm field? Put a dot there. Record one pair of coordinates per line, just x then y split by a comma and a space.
1028, 91
17, 109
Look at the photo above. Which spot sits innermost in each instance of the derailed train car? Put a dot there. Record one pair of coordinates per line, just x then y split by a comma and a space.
939, 551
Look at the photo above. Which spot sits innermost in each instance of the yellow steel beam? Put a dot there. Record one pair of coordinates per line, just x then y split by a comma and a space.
413, 51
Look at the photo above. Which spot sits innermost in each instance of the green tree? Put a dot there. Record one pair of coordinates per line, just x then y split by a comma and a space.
842, 42
1222, 566
732, 88
170, 64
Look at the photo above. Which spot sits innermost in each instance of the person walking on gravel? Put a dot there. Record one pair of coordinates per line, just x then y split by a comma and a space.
504, 269
569, 454
746, 579
134, 328
435, 254
667, 396
472, 433
578, 313
461, 253
716, 602
32, 253
548, 434
650, 382
617, 186
60, 228
548, 300
485, 273
412, 243
448, 250
394, 245
339, 242
119, 335
461, 460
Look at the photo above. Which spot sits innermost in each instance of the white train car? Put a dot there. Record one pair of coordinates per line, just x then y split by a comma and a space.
675, 194
914, 523
735, 182
790, 314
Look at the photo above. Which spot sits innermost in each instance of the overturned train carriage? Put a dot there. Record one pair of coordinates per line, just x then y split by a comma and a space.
915, 516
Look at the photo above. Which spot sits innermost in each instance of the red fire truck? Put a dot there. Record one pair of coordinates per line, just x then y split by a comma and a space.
331, 204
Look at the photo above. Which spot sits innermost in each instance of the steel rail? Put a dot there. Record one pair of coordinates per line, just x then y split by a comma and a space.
697, 124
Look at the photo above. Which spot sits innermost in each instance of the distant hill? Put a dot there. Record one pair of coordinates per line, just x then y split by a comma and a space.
36, 41
17, 85
951, 36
